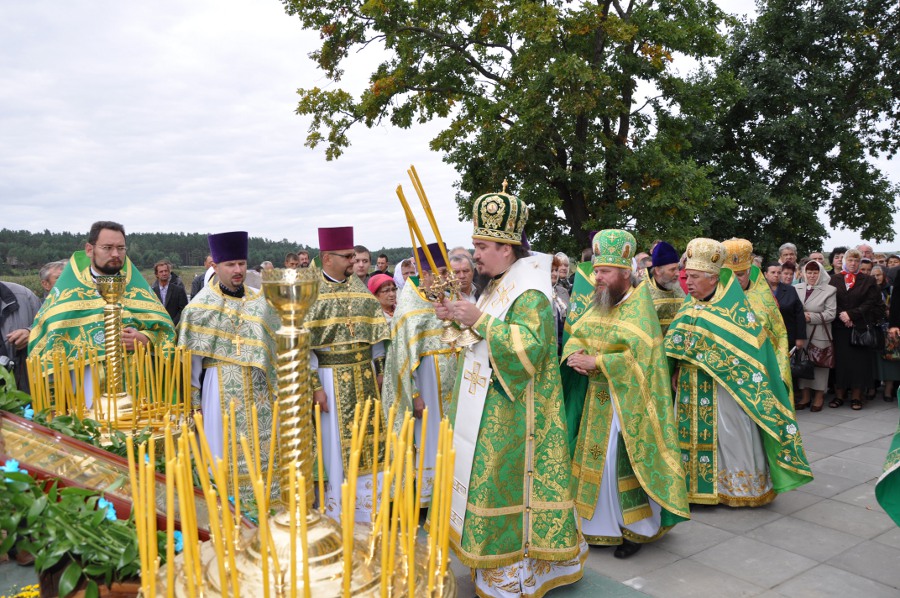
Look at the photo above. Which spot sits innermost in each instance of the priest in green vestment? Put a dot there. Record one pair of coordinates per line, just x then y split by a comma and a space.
629, 487
511, 516
887, 488
663, 284
229, 328
347, 333
71, 318
740, 261
740, 444
420, 369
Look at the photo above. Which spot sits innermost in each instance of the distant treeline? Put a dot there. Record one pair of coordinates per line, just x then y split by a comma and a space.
22, 250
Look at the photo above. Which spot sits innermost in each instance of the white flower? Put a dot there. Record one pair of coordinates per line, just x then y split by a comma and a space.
751, 317
684, 457
757, 377
735, 361
700, 356
740, 381
704, 401
791, 429
677, 338
704, 459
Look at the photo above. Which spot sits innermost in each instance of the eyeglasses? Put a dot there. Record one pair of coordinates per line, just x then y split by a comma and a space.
110, 248
346, 256
386, 290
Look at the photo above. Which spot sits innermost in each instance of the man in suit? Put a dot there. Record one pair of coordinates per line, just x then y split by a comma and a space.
172, 296
789, 305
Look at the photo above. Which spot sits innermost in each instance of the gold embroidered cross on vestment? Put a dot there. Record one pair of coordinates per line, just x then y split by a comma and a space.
474, 380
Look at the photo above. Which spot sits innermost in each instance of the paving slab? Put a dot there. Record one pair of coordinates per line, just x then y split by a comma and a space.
735, 520
811, 540
860, 496
890, 537
826, 581
691, 537
759, 563
650, 558
842, 434
864, 454
688, 579
881, 423
847, 518
872, 560
847, 468
821, 442
790, 502
826, 485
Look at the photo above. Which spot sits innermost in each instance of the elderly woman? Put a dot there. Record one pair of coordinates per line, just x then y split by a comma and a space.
858, 305
836, 259
888, 369
819, 309
560, 296
385, 290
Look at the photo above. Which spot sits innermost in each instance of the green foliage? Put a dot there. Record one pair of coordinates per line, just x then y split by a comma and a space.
65, 528
818, 98
585, 110
539, 94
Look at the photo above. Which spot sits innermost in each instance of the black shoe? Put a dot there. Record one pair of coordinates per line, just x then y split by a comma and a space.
626, 549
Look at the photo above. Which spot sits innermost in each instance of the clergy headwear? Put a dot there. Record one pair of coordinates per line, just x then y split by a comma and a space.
338, 238
664, 254
436, 254
613, 247
499, 217
740, 254
227, 247
705, 255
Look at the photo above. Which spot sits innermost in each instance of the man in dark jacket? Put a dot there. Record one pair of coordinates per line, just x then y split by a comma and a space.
171, 295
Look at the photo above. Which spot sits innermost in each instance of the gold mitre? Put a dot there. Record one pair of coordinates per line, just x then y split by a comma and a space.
740, 254
705, 255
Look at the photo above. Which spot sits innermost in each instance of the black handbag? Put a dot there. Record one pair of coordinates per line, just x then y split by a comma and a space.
801, 366
870, 337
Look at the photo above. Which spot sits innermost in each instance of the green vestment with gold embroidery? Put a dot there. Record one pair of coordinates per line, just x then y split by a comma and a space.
344, 323
71, 319
720, 343
415, 333
764, 305
518, 504
887, 488
666, 302
235, 338
632, 380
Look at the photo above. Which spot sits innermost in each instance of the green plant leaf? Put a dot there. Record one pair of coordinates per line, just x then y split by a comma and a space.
91, 591
69, 580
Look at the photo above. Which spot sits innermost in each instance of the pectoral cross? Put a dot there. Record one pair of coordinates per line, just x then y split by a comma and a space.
474, 379
350, 327
503, 295
237, 345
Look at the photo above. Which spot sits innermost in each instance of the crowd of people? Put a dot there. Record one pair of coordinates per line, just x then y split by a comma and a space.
593, 401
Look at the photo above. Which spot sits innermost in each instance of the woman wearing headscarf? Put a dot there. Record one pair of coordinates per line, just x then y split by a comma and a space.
858, 305
819, 309
385, 290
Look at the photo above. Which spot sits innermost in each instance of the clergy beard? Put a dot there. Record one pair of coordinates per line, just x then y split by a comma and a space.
608, 297
669, 286
107, 270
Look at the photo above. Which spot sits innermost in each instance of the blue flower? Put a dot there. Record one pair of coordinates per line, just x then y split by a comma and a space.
11, 466
29, 412
110, 508
179, 541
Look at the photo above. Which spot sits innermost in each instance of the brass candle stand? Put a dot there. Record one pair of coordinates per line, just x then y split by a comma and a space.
118, 402
259, 572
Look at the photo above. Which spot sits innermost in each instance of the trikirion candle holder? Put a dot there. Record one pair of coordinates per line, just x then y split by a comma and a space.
299, 551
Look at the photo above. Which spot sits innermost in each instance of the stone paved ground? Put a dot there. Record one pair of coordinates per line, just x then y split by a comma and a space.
829, 538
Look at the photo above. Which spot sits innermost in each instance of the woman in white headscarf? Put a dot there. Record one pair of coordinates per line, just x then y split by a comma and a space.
404, 270
820, 309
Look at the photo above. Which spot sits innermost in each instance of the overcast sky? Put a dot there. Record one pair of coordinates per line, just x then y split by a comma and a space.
178, 116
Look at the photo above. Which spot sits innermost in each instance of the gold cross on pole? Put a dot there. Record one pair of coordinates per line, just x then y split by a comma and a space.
474, 380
